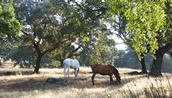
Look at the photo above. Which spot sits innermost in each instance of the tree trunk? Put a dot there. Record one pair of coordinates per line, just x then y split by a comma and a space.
38, 62
157, 63
61, 63
143, 64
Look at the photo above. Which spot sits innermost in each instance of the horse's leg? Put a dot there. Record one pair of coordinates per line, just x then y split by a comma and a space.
64, 71
68, 71
76, 72
111, 79
93, 78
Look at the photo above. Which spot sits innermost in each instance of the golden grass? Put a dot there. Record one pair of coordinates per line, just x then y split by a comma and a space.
35, 85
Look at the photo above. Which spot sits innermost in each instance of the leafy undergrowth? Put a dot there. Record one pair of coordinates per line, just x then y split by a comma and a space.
23, 83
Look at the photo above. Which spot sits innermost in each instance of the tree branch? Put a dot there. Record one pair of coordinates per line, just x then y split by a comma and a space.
55, 47
166, 48
25, 33
72, 53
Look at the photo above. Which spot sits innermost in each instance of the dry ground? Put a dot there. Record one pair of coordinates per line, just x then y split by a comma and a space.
24, 84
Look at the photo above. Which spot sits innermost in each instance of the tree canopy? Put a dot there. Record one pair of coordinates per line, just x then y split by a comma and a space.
52, 26
148, 27
9, 26
144, 18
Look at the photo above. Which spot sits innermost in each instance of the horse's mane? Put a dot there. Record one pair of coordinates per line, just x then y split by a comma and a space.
113, 68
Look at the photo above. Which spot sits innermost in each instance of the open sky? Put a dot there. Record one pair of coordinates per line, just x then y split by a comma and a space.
120, 45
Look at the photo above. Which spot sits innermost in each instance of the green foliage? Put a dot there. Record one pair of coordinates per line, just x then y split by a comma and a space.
52, 27
129, 59
25, 61
5, 47
147, 23
145, 19
15, 53
8, 24
98, 50
23, 56
95, 47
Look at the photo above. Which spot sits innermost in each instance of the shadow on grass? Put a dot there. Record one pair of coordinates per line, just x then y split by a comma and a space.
83, 81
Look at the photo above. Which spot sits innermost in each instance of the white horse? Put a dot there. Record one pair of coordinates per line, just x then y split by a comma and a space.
71, 63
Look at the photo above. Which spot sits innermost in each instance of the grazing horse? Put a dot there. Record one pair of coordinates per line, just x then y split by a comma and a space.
71, 63
105, 70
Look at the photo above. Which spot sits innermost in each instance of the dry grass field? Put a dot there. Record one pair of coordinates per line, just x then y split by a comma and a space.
24, 84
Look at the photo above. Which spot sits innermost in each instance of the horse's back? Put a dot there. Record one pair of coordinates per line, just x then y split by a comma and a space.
73, 63
67, 61
102, 69
95, 66
113, 68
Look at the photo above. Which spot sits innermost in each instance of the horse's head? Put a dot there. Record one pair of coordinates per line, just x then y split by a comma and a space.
119, 79
116, 73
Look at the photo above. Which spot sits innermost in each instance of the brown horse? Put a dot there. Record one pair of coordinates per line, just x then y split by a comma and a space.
105, 70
